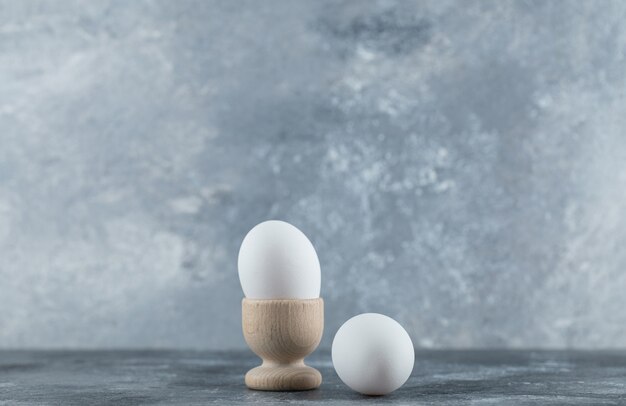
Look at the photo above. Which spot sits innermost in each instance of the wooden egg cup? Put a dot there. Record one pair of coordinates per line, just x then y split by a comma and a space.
282, 332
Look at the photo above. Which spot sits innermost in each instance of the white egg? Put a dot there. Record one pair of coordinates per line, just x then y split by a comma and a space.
277, 261
373, 354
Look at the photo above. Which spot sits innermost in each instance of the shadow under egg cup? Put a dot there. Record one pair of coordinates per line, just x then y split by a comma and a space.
282, 332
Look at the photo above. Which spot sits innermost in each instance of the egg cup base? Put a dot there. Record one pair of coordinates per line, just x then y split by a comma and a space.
283, 378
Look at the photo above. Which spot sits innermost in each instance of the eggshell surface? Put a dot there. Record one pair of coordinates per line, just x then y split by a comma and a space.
277, 261
373, 354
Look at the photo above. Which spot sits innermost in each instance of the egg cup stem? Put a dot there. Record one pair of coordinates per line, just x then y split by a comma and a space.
282, 332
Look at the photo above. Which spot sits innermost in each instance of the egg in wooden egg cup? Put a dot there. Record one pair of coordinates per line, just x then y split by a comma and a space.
282, 314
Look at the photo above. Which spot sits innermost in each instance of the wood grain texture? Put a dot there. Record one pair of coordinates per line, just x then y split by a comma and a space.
282, 332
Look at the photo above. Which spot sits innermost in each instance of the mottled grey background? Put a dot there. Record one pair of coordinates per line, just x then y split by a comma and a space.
459, 166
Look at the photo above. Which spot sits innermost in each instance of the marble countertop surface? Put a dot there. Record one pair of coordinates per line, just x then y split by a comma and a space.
477, 377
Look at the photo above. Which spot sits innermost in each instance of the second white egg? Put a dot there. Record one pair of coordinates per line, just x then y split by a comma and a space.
373, 354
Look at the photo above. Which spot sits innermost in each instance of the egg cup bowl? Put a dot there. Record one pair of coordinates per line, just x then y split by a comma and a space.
282, 332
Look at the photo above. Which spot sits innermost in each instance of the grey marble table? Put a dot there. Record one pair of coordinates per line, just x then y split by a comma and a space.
199, 378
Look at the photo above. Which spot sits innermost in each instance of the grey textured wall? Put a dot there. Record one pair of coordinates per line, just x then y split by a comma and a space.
459, 166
